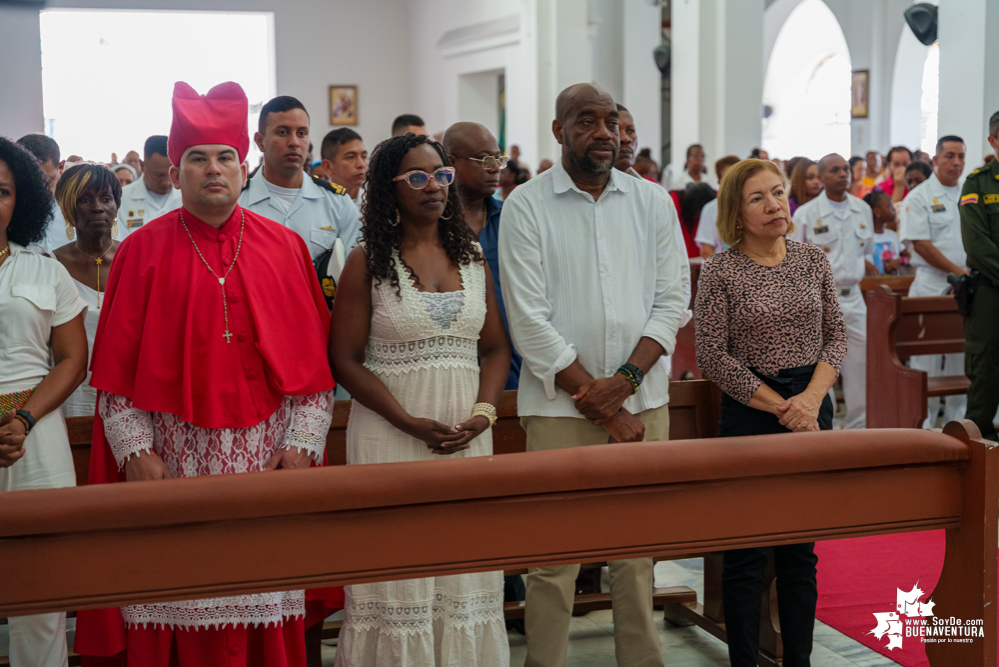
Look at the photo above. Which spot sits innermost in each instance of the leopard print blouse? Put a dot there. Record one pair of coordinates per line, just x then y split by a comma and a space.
766, 318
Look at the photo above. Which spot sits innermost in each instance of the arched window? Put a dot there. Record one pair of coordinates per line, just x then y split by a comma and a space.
929, 100
807, 87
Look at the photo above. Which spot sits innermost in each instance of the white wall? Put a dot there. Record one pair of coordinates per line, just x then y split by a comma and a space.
318, 43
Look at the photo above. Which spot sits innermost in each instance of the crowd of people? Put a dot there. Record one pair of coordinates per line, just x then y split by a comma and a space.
207, 316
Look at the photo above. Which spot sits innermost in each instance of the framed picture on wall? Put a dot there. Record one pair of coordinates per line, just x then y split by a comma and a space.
343, 105
858, 93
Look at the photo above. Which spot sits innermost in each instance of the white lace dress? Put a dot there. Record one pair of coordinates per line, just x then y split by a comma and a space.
424, 347
187, 450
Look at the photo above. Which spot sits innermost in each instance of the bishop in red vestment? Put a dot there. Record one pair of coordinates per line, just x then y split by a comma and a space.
209, 359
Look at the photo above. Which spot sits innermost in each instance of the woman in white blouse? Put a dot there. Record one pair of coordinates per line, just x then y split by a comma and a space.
43, 359
89, 196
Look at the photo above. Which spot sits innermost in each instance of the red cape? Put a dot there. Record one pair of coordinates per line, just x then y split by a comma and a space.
159, 342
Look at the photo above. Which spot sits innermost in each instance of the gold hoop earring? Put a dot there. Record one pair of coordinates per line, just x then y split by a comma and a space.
395, 223
445, 208
114, 228
70, 231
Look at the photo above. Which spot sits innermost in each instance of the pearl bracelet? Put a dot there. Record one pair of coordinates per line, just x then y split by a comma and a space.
486, 410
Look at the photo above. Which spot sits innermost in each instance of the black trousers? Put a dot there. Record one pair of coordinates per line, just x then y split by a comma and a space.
743, 569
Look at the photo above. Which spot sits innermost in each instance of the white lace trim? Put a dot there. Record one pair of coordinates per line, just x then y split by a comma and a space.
129, 431
370, 614
192, 451
249, 610
394, 358
443, 307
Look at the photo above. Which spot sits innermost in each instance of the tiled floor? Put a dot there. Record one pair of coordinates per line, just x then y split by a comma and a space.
591, 638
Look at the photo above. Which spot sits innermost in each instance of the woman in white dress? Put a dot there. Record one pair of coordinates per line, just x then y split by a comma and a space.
43, 358
418, 341
89, 196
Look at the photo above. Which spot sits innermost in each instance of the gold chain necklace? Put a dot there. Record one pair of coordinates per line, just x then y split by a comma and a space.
3, 253
221, 279
98, 260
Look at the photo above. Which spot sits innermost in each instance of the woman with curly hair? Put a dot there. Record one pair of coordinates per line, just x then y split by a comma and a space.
88, 196
43, 359
418, 341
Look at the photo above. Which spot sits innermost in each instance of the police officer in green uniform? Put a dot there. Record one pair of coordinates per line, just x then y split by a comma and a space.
980, 230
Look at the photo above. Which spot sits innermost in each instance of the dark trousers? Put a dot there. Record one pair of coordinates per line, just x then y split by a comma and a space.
981, 359
743, 569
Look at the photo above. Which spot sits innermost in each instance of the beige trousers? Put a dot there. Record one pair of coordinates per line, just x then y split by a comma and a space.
550, 590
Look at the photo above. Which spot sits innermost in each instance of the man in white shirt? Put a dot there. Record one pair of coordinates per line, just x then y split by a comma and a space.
46, 151
707, 239
345, 159
843, 226
931, 222
592, 278
152, 195
320, 212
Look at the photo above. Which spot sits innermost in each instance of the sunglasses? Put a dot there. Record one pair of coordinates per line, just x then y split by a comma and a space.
418, 179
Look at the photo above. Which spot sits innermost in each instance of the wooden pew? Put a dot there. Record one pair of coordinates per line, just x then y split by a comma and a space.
899, 327
465, 515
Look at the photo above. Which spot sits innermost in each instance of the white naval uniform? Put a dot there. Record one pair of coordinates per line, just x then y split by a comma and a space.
846, 240
138, 207
930, 213
319, 215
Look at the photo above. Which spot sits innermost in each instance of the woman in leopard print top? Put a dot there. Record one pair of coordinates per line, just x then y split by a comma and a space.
769, 333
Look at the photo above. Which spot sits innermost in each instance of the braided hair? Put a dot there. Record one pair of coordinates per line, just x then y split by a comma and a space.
381, 233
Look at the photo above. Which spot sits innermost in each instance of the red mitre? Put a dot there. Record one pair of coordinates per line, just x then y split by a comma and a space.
220, 117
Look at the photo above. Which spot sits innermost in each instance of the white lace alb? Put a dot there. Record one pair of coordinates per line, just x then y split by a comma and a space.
192, 451
258, 609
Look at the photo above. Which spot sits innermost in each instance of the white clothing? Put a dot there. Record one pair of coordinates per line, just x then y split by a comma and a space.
707, 227
846, 240
140, 206
587, 280
424, 349
81, 403
282, 197
192, 451
884, 247
36, 294
317, 214
846, 237
930, 213
679, 180
55, 233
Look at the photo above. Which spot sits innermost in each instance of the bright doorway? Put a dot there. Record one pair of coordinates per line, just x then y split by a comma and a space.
108, 76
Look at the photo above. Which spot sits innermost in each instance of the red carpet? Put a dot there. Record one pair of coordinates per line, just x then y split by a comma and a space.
859, 577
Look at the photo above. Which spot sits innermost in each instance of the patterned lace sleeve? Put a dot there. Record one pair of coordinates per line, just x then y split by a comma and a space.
310, 422
712, 315
128, 429
833, 328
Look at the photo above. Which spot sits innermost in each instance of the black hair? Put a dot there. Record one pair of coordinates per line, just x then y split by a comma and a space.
947, 138
279, 104
695, 196
755, 154
155, 145
920, 166
896, 149
406, 121
32, 197
334, 139
44, 148
380, 230
994, 125
872, 197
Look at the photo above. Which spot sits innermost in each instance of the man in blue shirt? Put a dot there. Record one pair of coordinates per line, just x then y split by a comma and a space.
477, 161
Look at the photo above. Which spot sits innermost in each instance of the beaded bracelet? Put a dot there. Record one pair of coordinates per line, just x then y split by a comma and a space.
27, 426
486, 410
631, 378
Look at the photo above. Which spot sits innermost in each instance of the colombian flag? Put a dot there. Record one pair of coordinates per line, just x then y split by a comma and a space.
970, 198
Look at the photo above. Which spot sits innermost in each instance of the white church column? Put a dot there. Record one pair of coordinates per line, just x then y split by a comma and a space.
969, 88
21, 110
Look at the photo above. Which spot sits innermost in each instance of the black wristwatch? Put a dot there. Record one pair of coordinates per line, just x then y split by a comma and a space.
635, 371
27, 420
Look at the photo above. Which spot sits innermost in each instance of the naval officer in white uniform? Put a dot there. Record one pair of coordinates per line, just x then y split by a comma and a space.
843, 226
152, 194
931, 224
320, 212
